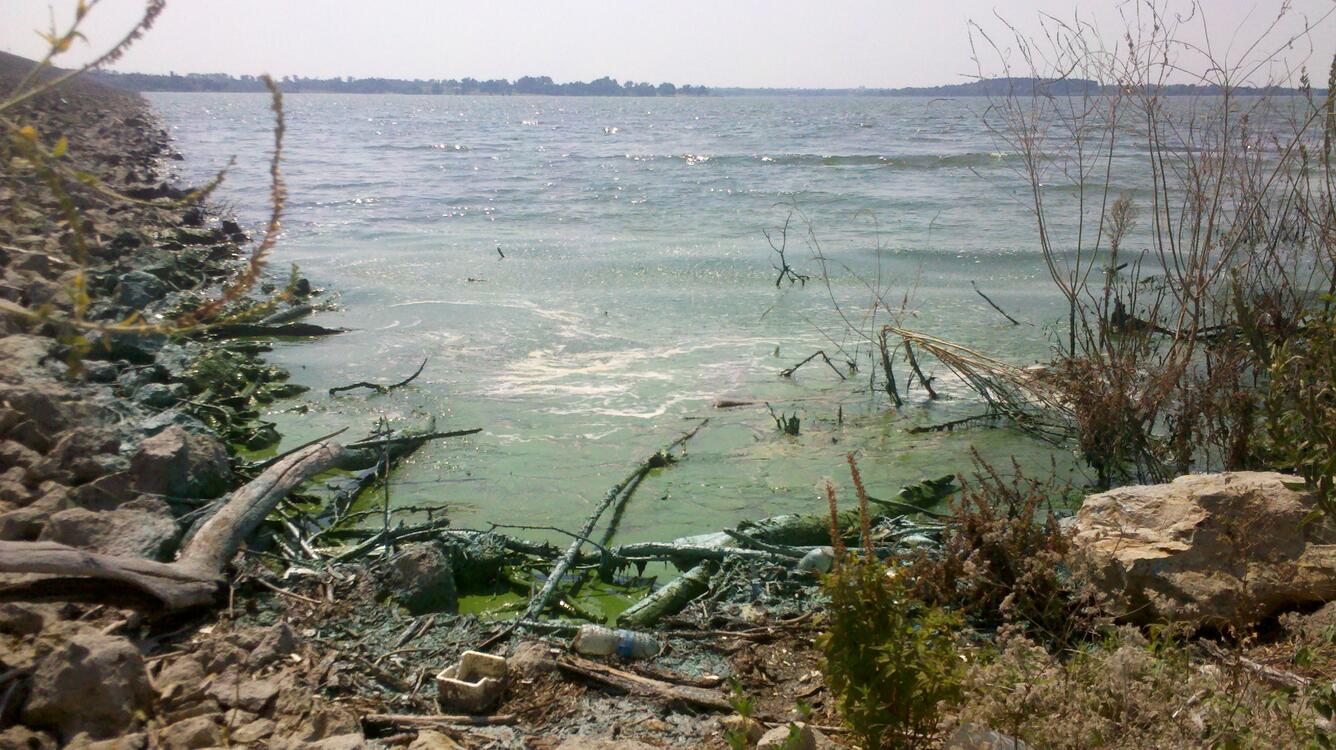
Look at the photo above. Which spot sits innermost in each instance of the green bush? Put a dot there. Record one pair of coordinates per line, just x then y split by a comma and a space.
1301, 407
891, 662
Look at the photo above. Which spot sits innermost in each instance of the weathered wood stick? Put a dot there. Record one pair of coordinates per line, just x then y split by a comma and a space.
688, 554
287, 315
244, 330
923, 379
217, 541
164, 582
640, 685
427, 720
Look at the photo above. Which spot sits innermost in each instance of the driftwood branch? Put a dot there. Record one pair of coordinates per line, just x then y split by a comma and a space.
218, 540
953, 424
287, 315
994, 304
195, 578
641, 685
168, 584
431, 720
378, 388
668, 600
891, 389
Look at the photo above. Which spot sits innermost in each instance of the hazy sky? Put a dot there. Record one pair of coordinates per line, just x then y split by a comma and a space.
816, 43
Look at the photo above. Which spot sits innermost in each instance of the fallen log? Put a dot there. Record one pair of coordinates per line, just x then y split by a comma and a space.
248, 330
688, 555
164, 583
813, 529
669, 600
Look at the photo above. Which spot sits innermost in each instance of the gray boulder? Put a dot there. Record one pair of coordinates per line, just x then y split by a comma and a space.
127, 533
421, 578
177, 463
139, 289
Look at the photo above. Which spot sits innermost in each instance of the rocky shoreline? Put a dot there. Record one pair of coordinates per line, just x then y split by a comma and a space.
119, 445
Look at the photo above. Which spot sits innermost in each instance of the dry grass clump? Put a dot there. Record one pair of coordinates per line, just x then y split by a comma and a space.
1132, 692
1003, 560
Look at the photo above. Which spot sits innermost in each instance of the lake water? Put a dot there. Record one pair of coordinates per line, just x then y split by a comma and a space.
636, 289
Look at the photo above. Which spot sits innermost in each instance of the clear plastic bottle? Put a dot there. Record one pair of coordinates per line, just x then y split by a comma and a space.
596, 640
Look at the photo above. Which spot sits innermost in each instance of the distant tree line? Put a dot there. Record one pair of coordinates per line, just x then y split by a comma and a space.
221, 82
605, 86
1000, 87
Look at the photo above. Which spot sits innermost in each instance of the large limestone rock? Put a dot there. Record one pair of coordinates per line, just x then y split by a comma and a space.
92, 683
1207, 549
177, 463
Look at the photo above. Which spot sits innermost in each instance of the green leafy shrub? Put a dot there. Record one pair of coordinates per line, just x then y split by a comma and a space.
1301, 407
891, 662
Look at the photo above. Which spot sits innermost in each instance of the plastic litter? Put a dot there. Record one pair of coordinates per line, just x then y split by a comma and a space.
473, 685
596, 640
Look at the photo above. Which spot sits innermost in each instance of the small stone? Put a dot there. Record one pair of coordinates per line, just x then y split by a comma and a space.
532, 658
421, 578
178, 464
252, 732
21, 619
139, 289
192, 733
14, 453
741, 725
787, 737
278, 641
354, 741
160, 395
250, 695
125, 533
431, 740
23, 738
137, 741
601, 743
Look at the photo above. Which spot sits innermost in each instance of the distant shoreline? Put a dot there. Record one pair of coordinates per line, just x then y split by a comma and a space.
610, 87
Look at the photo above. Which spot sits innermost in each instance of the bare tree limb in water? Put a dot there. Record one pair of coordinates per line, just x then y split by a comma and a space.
785, 270
993, 304
788, 373
382, 389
